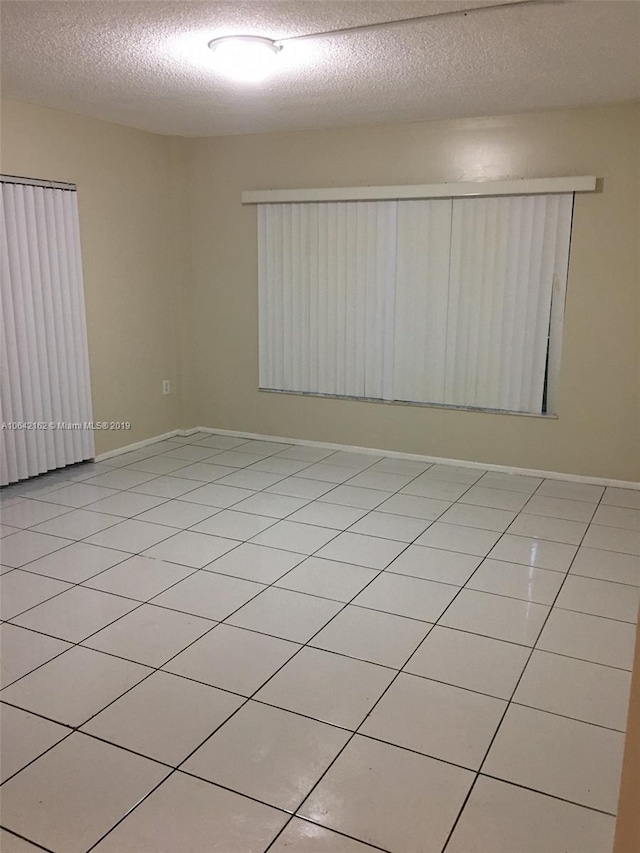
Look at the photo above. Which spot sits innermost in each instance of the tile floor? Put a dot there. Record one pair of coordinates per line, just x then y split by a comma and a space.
221, 644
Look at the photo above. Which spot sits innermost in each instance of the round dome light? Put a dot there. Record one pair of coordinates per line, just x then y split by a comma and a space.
246, 58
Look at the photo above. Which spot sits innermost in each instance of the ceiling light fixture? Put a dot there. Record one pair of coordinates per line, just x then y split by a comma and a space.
252, 58
245, 58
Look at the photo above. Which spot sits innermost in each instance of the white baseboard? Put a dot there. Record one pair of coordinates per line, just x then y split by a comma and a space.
102, 457
374, 451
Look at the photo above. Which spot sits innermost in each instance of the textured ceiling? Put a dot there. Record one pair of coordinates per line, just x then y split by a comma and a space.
146, 64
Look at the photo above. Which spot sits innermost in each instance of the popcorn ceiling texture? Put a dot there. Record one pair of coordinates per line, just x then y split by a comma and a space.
146, 64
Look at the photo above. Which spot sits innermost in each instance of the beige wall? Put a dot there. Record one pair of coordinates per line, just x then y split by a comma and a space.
132, 255
170, 267
598, 425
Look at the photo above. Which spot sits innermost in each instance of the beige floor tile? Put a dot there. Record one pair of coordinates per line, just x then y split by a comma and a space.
436, 719
570, 491
613, 516
372, 636
167, 487
328, 579
435, 564
560, 508
177, 513
234, 525
209, 595
516, 581
482, 517
23, 590
79, 495
120, 479
25, 737
233, 659
355, 496
28, 513
149, 635
538, 553
75, 686
214, 495
61, 802
502, 818
327, 473
297, 487
577, 689
369, 551
276, 465
590, 638
164, 717
271, 505
377, 480
599, 536
191, 549
357, 461
393, 465
302, 836
496, 616
269, 754
480, 495
77, 562
26, 546
414, 506
600, 598
428, 487
328, 515
470, 661
607, 566
248, 478
455, 473
126, 504
305, 453
327, 687
455, 537
622, 497
23, 651
575, 761
364, 795
407, 596
256, 562
158, 465
386, 525
132, 536
139, 577
291, 536
76, 614
285, 614
10, 843
551, 529
184, 814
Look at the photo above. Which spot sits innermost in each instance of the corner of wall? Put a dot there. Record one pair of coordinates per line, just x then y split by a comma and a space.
179, 227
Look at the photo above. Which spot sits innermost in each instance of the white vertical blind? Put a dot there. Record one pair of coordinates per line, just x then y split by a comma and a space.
442, 301
45, 365
326, 294
504, 255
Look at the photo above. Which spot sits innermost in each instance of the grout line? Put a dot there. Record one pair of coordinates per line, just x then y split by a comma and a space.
23, 838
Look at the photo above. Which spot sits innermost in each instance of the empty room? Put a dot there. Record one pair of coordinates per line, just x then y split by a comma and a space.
320, 445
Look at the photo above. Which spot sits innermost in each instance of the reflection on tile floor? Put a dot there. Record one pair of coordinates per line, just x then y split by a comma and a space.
215, 643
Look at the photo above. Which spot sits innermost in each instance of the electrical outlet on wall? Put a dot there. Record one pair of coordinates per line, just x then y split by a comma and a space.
166, 386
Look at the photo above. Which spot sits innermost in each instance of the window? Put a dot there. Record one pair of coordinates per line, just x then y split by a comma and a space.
454, 301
